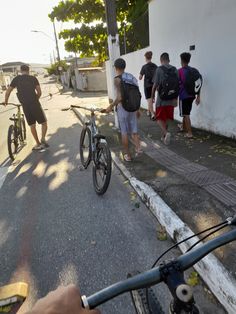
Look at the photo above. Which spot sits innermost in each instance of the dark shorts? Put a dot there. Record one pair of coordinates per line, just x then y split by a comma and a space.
34, 113
148, 92
165, 113
185, 106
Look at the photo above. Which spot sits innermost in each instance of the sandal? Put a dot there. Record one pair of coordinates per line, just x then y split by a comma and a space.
180, 127
127, 157
188, 136
138, 152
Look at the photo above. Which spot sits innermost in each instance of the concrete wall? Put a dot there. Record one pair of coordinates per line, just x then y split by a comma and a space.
96, 80
210, 26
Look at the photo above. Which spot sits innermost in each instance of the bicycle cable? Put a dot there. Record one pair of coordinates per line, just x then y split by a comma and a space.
225, 223
206, 236
218, 226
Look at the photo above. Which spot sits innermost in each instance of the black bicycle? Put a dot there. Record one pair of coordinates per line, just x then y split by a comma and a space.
16, 132
94, 147
171, 272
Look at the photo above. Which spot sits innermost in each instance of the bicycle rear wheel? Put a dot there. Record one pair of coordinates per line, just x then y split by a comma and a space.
145, 301
85, 147
102, 168
12, 142
23, 130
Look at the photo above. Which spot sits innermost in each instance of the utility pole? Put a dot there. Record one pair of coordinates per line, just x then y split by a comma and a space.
57, 47
113, 46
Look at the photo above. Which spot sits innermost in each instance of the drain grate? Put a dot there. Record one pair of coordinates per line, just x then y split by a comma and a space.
208, 177
225, 192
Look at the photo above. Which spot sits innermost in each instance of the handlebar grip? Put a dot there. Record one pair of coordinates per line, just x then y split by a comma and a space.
148, 278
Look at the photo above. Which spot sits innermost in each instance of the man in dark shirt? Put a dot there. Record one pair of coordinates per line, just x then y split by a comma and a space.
28, 93
148, 71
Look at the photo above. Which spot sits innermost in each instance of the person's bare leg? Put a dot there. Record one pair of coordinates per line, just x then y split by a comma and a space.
162, 125
136, 140
188, 126
34, 133
125, 143
44, 131
150, 106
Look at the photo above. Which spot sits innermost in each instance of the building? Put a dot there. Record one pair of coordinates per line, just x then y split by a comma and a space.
206, 29
11, 67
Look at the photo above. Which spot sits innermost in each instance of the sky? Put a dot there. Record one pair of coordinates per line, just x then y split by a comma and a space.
18, 43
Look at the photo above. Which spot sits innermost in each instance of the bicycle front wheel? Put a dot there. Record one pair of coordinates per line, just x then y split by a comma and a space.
23, 130
12, 142
145, 301
102, 168
85, 147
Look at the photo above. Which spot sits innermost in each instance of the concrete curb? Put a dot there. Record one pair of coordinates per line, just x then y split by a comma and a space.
212, 271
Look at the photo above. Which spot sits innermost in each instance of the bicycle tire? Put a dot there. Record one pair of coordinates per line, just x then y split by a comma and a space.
23, 129
143, 305
102, 165
12, 140
85, 160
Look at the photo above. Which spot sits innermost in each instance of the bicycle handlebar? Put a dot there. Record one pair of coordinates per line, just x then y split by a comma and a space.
153, 276
88, 109
11, 103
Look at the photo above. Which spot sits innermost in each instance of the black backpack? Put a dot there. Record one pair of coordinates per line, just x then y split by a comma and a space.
193, 81
169, 87
131, 96
150, 70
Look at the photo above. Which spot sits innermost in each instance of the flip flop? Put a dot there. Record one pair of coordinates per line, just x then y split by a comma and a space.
127, 158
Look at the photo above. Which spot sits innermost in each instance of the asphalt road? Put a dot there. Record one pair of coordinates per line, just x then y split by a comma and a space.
55, 230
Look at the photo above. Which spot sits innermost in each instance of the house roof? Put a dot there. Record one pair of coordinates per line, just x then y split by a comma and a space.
10, 64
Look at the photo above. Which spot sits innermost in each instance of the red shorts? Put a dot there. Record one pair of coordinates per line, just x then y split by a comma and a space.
165, 113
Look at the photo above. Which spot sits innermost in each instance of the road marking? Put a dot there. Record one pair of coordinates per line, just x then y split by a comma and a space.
3, 174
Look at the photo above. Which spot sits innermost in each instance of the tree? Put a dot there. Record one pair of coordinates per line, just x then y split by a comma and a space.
89, 38
54, 68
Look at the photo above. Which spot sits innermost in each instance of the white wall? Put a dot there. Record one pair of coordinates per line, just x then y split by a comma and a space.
210, 26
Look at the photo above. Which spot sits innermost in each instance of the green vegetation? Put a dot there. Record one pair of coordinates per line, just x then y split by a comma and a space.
54, 68
89, 38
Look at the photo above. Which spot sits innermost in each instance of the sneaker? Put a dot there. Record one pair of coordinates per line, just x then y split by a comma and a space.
37, 147
167, 138
44, 144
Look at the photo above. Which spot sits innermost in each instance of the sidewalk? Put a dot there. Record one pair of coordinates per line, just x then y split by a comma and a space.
196, 178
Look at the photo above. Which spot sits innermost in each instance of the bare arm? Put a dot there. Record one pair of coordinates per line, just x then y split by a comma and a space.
154, 88
38, 91
140, 77
118, 96
8, 93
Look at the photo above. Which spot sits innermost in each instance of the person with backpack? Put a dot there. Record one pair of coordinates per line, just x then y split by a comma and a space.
127, 104
190, 81
166, 82
148, 70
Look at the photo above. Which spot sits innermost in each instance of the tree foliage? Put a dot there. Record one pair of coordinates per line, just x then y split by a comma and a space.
54, 68
89, 38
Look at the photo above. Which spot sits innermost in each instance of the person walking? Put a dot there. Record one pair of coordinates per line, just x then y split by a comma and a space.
148, 71
189, 91
166, 82
127, 119
28, 93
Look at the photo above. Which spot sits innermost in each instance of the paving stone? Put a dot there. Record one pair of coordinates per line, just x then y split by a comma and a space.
225, 192
208, 177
